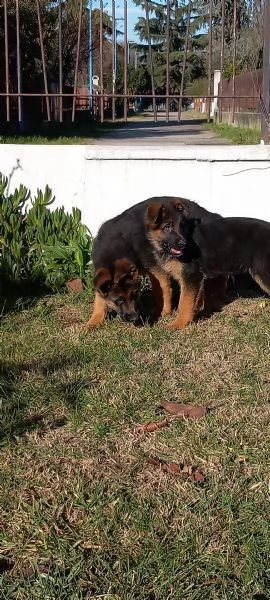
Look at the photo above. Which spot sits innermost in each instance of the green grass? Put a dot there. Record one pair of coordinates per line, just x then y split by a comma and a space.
237, 135
82, 515
71, 133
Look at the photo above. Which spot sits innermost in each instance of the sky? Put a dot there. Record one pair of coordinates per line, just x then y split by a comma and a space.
133, 13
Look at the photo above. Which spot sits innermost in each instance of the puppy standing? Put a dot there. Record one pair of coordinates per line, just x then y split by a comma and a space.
230, 245
164, 231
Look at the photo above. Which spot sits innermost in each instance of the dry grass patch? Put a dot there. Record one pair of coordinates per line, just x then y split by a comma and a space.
82, 513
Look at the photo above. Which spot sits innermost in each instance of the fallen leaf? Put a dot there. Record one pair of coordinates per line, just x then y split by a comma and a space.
172, 469
192, 473
30, 570
188, 411
188, 472
43, 569
155, 462
263, 304
198, 476
212, 581
150, 427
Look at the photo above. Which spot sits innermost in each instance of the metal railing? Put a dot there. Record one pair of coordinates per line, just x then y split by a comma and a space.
13, 87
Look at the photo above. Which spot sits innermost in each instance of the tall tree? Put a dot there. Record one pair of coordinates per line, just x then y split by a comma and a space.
249, 38
201, 8
177, 27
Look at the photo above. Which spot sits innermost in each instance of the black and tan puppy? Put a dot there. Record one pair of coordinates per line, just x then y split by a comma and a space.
230, 245
164, 224
145, 239
121, 256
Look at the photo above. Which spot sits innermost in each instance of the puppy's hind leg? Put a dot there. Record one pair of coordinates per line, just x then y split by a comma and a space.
215, 293
262, 277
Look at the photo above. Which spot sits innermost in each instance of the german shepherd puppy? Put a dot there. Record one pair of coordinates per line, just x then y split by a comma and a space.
226, 246
168, 238
117, 287
144, 239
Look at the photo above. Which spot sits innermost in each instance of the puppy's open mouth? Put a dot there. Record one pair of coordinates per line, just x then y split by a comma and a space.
172, 249
176, 251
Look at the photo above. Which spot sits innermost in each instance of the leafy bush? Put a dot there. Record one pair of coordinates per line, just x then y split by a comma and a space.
39, 244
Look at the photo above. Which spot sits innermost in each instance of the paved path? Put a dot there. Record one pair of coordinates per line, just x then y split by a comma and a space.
147, 132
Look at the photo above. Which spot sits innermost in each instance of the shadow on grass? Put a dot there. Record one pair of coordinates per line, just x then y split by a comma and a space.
12, 421
13, 405
16, 399
15, 298
82, 128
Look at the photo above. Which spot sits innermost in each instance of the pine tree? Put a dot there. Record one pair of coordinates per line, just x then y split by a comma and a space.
177, 28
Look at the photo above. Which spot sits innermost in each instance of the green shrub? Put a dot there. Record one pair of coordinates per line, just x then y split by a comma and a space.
41, 245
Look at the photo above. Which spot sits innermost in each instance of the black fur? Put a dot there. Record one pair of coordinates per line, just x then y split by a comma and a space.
126, 235
229, 246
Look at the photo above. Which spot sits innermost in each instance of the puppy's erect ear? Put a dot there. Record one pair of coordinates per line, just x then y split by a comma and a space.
103, 281
188, 225
180, 206
155, 215
125, 270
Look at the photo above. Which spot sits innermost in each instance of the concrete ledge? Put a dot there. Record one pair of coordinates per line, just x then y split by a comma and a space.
258, 153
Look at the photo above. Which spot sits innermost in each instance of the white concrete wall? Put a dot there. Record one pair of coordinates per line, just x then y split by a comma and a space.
103, 180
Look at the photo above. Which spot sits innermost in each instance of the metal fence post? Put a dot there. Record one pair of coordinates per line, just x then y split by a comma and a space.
266, 75
6, 61
90, 59
210, 58
167, 60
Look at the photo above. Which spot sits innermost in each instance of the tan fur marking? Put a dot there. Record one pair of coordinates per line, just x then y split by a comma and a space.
191, 296
155, 237
162, 291
175, 269
188, 306
184, 312
200, 302
99, 311
260, 282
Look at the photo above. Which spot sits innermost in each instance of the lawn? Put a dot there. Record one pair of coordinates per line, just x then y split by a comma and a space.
85, 132
238, 135
83, 515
